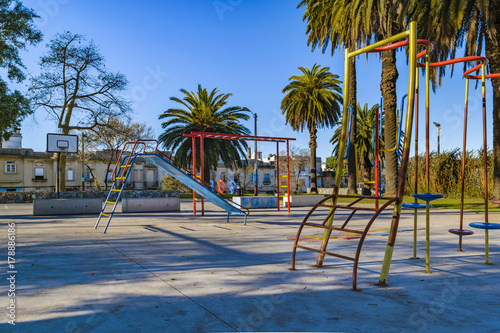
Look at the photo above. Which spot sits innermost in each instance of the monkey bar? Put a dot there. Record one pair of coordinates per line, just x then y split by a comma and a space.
227, 136
409, 38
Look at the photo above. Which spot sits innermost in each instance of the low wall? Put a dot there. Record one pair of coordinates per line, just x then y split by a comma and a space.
302, 200
29, 196
134, 205
325, 190
257, 202
67, 206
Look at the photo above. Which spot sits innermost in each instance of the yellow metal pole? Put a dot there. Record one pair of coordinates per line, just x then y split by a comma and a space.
369, 48
415, 211
427, 166
412, 45
466, 110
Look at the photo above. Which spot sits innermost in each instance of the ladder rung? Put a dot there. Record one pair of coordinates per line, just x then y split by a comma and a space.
359, 232
125, 166
115, 190
349, 207
120, 177
105, 214
111, 202
283, 186
324, 252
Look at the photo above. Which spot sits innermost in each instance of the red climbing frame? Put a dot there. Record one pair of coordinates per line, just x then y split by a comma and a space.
226, 136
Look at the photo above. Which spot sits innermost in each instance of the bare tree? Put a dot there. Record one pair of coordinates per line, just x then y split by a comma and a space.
298, 160
106, 140
244, 175
75, 88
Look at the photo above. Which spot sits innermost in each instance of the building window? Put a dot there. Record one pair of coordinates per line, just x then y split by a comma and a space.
108, 177
223, 177
267, 179
39, 174
70, 174
10, 167
88, 174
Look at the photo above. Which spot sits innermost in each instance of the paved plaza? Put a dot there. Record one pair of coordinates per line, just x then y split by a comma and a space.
179, 272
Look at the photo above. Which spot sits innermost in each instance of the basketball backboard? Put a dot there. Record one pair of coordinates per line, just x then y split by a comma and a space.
57, 143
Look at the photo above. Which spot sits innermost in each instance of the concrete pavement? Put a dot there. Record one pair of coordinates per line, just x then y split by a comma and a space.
176, 272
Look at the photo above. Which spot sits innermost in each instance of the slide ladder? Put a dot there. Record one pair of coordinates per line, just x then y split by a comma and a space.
331, 203
124, 166
119, 177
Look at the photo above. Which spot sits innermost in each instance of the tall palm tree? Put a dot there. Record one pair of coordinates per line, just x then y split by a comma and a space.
475, 26
312, 100
204, 112
364, 141
330, 22
377, 19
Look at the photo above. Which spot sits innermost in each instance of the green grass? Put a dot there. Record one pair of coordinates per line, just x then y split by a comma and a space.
469, 204
444, 203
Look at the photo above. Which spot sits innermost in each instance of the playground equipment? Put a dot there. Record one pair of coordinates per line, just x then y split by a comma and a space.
405, 38
123, 168
427, 196
414, 205
225, 136
486, 225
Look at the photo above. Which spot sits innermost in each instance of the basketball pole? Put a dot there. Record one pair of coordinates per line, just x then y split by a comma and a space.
58, 185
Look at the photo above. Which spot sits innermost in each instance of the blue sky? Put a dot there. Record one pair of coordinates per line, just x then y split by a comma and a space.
247, 48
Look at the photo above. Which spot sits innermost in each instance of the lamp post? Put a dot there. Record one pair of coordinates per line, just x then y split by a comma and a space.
438, 125
255, 174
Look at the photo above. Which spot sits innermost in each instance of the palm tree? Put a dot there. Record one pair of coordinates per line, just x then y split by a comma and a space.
379, 20
329, 21
312, 100
364, 139
204, 112
474, 25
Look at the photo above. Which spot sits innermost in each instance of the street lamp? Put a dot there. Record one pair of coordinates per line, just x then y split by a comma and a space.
255, 174
438, 125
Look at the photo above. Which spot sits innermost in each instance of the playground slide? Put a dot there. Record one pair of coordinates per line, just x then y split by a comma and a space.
188, 180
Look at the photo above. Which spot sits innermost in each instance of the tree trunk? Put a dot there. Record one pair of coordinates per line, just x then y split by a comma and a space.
351, 159
388, 89
367, 171
206, 175
108, 164
493, 54
312, 146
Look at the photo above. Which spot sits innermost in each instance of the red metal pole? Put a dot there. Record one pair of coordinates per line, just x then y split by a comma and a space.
287, 175
485, 147
202, 172
278, 173
194, 172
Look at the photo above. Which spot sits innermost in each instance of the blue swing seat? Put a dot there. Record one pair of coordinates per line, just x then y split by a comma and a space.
427, 196
484, 225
